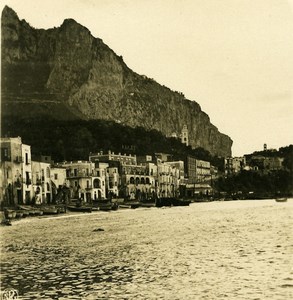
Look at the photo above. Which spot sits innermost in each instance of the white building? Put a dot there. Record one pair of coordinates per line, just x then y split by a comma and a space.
87, 180
41, 182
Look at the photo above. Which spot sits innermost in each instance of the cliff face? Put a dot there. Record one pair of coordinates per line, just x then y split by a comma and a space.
67, 73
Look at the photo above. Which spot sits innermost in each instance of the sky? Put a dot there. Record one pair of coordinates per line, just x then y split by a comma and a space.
233, 57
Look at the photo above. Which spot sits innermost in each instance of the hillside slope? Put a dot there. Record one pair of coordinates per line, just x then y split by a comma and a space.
67, 74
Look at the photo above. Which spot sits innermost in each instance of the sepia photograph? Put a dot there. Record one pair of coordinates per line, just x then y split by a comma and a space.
146, 149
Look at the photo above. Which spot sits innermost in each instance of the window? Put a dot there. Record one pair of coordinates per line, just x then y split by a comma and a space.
98, 173
75, 183
48, 172
55, 176
5, 154
26, 158
9, 172
97, 183
75, 172
87, 183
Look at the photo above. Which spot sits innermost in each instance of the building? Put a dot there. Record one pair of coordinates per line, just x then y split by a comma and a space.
113, 181
16, 180
184, 135
111, 156
168, 179
163, 157
198, 174
234, 165
138, 181
273, 163
265, 164
197, 171
41, 182
86, 180
58, 177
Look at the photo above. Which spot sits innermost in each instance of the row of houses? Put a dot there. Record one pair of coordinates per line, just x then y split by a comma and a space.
104, 175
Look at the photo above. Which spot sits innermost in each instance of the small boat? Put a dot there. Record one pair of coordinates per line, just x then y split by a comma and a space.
38, 212
148, 204
180, 202
132, 204
61, 208
9, 213
49, 210
79, 208
25, 213
19, 214
124, 206
103, 204
284, 199
28, 210
164, 201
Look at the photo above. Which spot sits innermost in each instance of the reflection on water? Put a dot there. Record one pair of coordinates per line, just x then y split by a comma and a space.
216, 250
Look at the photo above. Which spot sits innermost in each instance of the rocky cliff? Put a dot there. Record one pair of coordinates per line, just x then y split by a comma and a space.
67, 73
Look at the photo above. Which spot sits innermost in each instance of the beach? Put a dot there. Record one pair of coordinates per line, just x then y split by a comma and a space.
214, 250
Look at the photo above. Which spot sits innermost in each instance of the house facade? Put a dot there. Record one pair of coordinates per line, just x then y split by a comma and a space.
87, 181
16, 170
41, 182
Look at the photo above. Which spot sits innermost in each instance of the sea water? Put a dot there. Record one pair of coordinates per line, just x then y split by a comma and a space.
215, 250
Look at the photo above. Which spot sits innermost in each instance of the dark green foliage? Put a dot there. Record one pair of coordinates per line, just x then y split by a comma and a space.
275, 182
264, 183
287, 153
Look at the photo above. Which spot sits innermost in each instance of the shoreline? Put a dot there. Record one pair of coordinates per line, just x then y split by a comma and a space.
72, 214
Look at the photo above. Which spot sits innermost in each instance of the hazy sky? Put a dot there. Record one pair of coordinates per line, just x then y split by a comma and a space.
234, 57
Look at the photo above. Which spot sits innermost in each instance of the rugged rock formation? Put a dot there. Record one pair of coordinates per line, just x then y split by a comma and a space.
67, 73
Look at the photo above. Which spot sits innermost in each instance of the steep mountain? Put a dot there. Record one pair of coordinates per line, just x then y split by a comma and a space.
66, 73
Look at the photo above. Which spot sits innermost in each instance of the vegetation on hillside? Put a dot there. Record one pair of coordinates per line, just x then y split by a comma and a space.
278, 182
74, 140
259, 182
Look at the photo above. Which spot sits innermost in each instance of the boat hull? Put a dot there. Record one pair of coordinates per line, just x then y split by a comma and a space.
281, 199
79, 209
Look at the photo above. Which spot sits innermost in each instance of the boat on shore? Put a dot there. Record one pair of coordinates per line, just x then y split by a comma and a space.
172, 201
49, 210
79, 208
29, 210
9, 213
164, 201
102, 204
180, 202
282, 199
131, 204
148, 204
